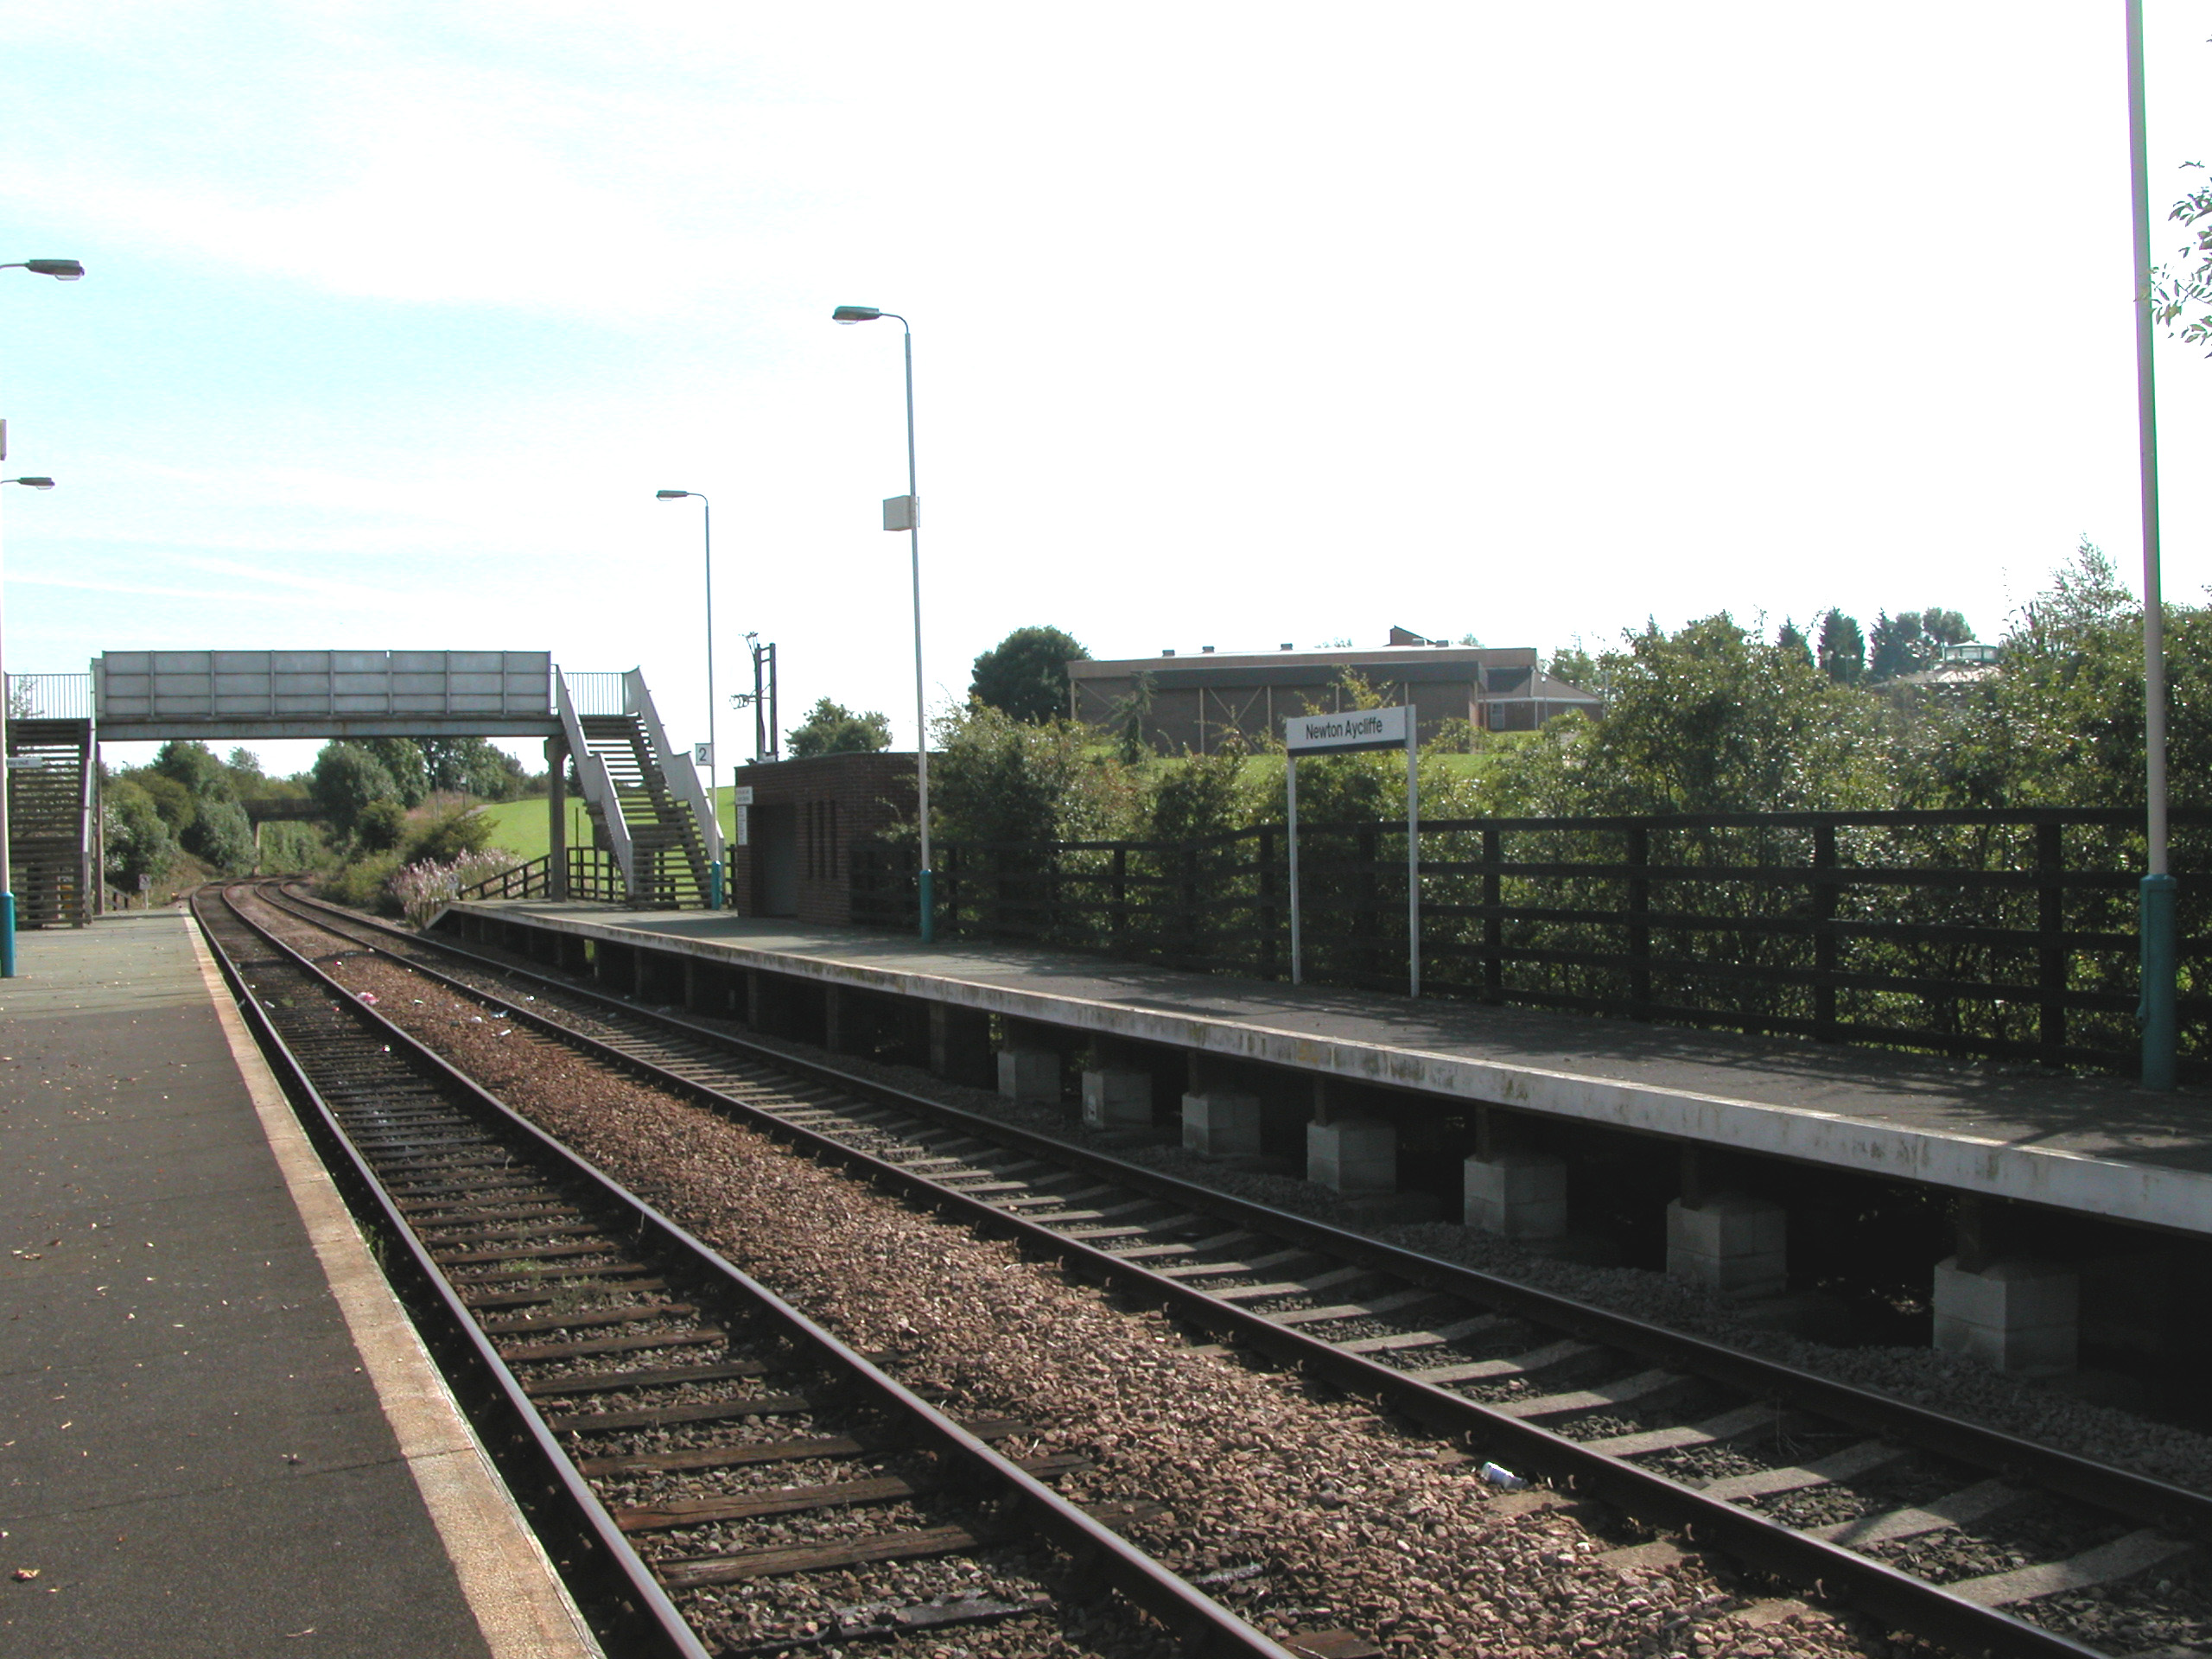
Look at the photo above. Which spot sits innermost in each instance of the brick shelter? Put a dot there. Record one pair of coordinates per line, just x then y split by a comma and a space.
793, 853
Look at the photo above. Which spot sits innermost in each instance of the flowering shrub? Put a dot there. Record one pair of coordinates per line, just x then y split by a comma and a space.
420, 888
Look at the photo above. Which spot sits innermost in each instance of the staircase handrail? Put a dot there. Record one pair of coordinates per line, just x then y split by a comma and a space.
682, 779
597, 786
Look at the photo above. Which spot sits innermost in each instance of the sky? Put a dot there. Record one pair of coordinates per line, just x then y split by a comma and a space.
1233, 324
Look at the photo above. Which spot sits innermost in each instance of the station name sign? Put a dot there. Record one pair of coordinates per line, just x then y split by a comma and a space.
1355, 728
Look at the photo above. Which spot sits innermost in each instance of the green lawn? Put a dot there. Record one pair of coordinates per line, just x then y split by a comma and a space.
521, 826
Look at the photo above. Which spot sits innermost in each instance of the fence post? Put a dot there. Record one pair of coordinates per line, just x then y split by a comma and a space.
1266, 845
1187, 858
1493, 923
1367, 911
948, 887
1639, 921
2051, 954
1824, 964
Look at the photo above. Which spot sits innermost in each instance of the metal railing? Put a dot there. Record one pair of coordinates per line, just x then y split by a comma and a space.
598, 788
524, 881
595, 693
683, 777
2007, 935
50, 696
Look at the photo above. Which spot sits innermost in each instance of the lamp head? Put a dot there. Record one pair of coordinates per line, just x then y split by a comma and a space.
65, 270
35, 483
855, 313
670, 495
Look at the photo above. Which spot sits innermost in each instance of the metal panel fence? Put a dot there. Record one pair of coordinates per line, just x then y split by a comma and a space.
2007, 935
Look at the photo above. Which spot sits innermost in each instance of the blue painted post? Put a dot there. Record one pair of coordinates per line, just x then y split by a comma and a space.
715, 885
2157, 1011
7, 936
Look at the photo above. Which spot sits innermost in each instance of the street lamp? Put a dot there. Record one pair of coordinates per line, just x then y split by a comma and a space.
7, 888
907, 516
65, 270
2155, 928
713, 809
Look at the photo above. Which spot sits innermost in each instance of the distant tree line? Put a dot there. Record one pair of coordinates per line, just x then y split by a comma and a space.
185, 811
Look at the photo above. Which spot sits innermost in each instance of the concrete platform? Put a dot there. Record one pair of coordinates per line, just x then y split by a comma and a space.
2097, 1146
221, 1437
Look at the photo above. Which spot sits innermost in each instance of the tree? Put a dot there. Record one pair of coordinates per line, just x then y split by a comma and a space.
139, 839
170, 799
403, 759
1708, 719
1574, 666
993, 778
194, 765
1792, 640
1843, 648
471, 765
1026, 674
2173, 293
223, 835
1945, 627
832, 728
381, 826
347, 777
1897, 645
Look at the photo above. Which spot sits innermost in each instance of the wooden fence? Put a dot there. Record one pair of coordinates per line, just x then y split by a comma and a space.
2006, 935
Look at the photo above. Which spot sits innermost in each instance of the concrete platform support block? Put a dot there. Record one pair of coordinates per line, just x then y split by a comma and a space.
1221, 1123
1353, 1154
2021, 1317
1517, 1195
1029, 1074
1735, 1245
1116, 1099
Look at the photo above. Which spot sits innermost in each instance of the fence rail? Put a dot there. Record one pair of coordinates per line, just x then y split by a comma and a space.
593, 873
2005, 935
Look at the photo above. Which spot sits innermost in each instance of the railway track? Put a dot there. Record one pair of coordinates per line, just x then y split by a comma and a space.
1965, 1535
655, 1409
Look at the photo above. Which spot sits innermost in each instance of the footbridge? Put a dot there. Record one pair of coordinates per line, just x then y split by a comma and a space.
655, 839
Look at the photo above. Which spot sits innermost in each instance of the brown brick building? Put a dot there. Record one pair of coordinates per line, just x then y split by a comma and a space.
1193, 702
792, 853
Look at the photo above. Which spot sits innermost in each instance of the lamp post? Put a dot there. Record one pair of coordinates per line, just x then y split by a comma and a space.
62, 270
2158, 970
909, 519
8, 887
707, 526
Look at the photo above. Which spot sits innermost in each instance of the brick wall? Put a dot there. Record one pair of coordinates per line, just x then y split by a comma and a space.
806, 817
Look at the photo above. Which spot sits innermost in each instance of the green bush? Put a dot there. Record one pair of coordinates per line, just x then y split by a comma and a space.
381, 827
448, 835
139, 839
364, 883
222, 835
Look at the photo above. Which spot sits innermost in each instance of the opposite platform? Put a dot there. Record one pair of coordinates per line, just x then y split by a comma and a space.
222, 1435
2096, 1146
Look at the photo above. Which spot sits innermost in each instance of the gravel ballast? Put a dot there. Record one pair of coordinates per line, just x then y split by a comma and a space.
1359, 1524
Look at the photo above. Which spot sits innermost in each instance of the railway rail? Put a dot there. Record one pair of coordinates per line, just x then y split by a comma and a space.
621, 1372
1932, 1524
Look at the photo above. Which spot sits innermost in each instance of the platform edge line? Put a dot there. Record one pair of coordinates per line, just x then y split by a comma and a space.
521, 1607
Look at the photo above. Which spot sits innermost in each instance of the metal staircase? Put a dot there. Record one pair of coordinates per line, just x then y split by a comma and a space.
50, 820
645, 803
